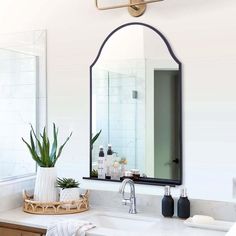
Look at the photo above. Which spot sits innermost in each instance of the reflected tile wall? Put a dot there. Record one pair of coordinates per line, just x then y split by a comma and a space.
123, 124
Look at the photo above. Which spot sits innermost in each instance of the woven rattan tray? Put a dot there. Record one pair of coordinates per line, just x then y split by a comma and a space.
55, 208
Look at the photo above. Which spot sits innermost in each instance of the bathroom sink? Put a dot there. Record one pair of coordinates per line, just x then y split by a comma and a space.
130, 224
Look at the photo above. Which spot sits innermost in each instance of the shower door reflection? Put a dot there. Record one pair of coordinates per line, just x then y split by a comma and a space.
117, 111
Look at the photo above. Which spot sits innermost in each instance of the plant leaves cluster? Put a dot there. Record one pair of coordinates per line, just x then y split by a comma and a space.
94, 173
41, 150
67, 183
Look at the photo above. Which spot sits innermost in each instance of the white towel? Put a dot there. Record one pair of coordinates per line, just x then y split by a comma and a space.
232, 231
69, 228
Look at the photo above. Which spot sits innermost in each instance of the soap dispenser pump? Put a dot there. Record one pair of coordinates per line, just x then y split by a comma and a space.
167, 203
183, 209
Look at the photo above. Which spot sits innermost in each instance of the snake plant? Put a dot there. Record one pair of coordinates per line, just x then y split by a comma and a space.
40, 149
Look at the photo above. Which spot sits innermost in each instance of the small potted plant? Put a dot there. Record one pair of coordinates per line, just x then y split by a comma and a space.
69, 190
46, 158
94, 173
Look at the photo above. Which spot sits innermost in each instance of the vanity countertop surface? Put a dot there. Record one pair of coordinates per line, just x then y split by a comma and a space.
161, 226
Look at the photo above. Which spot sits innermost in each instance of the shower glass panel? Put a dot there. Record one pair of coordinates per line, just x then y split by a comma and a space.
119, 100
18, 102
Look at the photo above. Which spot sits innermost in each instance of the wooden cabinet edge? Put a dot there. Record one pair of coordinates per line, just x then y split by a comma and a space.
25, 229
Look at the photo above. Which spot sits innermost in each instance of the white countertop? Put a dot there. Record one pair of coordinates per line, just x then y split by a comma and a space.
164, 226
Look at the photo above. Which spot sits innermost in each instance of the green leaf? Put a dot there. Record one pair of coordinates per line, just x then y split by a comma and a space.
54, 145
40, 148
33, 154
61, 148
95, 137
32, 141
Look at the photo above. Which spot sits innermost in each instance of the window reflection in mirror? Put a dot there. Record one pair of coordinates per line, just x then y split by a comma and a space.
22, 98
136, 102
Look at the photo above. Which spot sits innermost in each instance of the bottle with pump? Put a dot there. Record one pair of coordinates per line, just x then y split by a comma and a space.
109, 160
101, 163
183, 209
167, 203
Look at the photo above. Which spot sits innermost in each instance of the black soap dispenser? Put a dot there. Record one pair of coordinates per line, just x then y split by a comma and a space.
167, 203
183, 209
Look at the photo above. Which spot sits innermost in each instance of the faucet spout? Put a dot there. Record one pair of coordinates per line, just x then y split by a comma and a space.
123, 184
132, 198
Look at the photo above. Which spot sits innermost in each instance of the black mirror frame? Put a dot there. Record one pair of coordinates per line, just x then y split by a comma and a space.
146, 181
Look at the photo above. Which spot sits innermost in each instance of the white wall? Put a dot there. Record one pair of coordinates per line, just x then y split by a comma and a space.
203, 36
123, 45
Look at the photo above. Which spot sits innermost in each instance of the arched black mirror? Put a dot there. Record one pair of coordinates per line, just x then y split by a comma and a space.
136, 104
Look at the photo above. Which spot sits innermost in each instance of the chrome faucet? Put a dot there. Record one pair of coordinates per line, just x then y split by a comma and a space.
131, 201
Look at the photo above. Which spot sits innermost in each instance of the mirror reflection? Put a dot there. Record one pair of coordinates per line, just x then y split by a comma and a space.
136, 108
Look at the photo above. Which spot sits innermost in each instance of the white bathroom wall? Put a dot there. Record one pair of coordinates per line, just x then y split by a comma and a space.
122, 45
203, 36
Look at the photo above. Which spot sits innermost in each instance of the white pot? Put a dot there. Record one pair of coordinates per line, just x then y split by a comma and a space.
45, 185
69, 194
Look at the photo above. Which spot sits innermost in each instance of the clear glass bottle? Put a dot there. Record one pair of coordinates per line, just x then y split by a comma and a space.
123, 162
122, 170
116, 171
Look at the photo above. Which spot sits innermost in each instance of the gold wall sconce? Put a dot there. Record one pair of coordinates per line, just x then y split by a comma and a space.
135, 7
